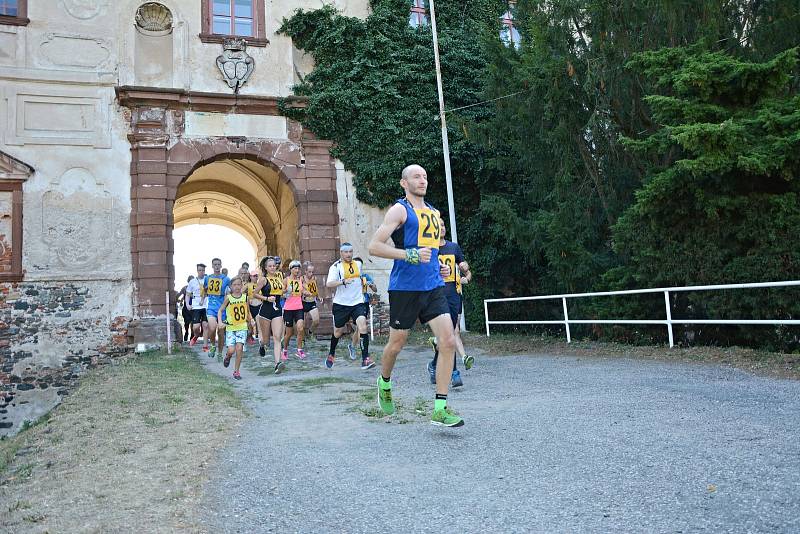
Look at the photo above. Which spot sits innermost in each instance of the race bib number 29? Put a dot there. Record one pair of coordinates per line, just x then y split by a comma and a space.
429, 230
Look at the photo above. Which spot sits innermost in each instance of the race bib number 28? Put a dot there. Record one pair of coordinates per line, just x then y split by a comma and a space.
429, 230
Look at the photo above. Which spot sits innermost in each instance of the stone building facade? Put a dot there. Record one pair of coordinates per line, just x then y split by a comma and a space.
122, 119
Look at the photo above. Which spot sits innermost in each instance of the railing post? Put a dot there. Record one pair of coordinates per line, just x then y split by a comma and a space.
486, 316
566, 318
669, 319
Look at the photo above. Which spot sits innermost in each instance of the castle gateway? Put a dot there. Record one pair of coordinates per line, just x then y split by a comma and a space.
122, 121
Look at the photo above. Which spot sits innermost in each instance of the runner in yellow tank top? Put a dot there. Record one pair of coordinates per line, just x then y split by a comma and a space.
310, 299
237, 318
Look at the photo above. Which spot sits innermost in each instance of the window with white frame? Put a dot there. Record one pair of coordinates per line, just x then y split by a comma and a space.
509, 33
418, 16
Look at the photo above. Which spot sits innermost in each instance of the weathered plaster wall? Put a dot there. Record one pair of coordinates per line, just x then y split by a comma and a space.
193, 61
57, 114
357, 224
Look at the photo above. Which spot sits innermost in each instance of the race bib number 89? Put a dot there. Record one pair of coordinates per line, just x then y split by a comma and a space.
429, 230
238, 314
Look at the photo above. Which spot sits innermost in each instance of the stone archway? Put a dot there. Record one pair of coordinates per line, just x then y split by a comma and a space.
163, 158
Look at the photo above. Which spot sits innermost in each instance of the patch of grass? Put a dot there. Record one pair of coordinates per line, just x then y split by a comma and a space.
320, 381
24, 471
370, 395
422, 406
372, 411
19, 505
174, 399
27, 425
34, 518
8, 450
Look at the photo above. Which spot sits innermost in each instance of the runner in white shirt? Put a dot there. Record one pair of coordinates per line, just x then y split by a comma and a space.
348, 303
198, 306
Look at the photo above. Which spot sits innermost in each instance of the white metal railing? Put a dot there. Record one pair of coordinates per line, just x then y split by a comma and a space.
669, 321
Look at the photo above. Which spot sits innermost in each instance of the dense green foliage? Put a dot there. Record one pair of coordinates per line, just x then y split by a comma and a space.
646, 142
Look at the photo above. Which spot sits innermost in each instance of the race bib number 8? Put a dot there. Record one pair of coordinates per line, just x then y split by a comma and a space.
351, 270
214, 286
429, 230
450, 261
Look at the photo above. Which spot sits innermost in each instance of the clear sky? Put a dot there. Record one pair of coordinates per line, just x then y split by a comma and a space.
198, 243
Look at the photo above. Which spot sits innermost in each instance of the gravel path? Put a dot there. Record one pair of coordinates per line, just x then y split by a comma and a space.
550, 444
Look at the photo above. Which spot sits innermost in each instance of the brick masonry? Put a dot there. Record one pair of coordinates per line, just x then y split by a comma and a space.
50, 333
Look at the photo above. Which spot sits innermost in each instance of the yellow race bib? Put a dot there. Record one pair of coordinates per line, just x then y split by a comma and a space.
250, 287
455, 274
351, 270
311, 287
294, 286
236, 312
214, 287
429, 230
275, 284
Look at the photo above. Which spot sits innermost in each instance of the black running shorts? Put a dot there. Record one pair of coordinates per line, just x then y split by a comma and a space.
199, 316
254, 310
308, 306
342, 314
292, 316
405, 307
270, 310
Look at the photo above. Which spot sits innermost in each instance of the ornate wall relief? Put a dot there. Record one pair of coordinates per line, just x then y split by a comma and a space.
78, 223
64, 116
75, 51
8, 45
84, 9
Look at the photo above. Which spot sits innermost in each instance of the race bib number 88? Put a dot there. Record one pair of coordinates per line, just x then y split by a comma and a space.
428, 228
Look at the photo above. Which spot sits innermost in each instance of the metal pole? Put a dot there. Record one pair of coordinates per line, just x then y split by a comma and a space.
169, 328
448, 177
669, 319
566, 318
486, 316
371, 330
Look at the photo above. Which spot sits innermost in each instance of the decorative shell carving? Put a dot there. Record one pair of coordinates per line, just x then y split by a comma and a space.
154, 17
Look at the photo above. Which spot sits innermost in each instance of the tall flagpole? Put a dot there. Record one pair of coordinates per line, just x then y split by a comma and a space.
448, 177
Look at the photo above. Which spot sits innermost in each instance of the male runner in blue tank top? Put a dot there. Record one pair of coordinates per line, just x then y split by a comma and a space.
416, 287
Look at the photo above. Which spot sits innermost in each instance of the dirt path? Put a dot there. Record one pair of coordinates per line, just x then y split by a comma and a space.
551, 444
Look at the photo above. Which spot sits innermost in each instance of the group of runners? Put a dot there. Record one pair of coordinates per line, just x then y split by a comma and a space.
425, 284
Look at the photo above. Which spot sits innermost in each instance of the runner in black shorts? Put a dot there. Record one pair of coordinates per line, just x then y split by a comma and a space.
310, 300
348, 303
416, 287
270, 315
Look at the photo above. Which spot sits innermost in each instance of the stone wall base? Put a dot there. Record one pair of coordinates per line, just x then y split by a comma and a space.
50, 334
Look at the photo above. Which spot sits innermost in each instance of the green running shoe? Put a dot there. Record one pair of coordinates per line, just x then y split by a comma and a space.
212, 351
385, 396
445, 418
468, 361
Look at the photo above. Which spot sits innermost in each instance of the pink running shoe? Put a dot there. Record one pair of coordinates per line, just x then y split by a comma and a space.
236, 375
284, 355
205, 348
193, 341
301, 354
